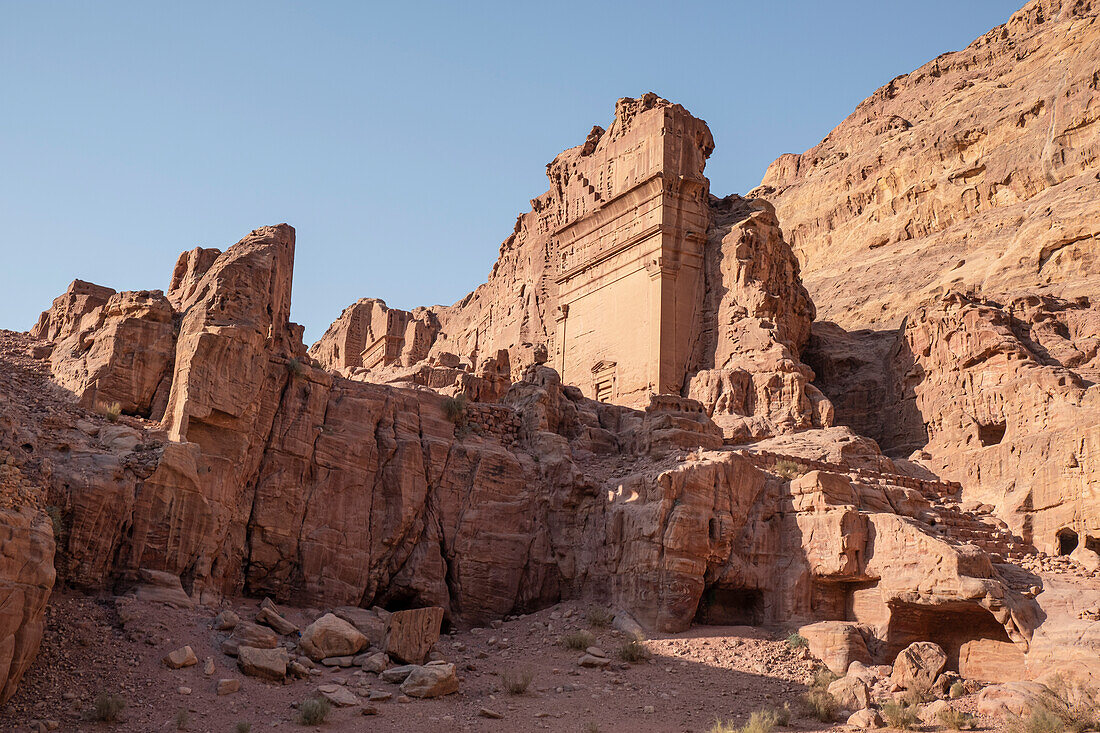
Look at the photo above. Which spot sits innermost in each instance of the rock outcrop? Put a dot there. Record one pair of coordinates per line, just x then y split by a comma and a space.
977, 170
269, 475
27, 545
999, 396
629, 279
457, 464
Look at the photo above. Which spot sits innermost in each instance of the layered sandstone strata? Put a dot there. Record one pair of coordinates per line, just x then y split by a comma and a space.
269, 475
977, 170
629, 279
1000, 396
26, 555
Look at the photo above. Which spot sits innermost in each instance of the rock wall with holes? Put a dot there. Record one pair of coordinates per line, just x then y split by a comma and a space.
977, 171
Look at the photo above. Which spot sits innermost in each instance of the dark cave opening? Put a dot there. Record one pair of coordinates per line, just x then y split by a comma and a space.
991, 433
722, 606
951, 628
1067, 541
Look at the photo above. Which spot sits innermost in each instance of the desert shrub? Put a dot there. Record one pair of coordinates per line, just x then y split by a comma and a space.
54, 512
577, 640
722, 726
954, 719
516, 682
591, 727
243, 727
1039, 720
1080, 717
599, 617
107, 708
797, 641
181, 719
783, 715
294, 366
820, 704
110, 411
901, 716
788, 469
1082, 709
761, 721
455, 408
633, 651
958, 689
313, 711
916, 695
823, 677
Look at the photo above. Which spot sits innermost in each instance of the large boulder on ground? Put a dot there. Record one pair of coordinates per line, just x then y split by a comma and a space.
269, 616
866, 719
918, 665
331, 636
396, 675
182, 657
434, 679
837, 644
268, 664
369, 623
337, 695
157, 586
411, 634
249, 634
990, 660
1017, 700
851, 693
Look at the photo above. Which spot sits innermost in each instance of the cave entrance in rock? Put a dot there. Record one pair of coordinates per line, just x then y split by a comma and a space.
1067, 540
948, 626
724, 606
991, 433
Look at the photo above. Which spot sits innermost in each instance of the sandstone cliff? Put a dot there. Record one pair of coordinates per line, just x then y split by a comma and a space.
268, 475
731, 316
977, 171
636, 406
947, 232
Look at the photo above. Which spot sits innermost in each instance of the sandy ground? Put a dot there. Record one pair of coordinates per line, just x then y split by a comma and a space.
691, 679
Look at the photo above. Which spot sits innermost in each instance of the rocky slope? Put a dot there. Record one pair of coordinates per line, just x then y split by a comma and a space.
268, 475
978, 171
185, 447
971, 181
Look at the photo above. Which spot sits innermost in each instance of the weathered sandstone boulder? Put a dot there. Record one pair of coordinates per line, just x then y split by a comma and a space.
330, 636
251, 635
836, 643
268, 664
411, 634
434, 679
918, 665
850, 693
182, 657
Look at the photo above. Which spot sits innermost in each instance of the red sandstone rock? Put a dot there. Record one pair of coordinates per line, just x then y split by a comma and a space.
411, 634
975, 170
64, 316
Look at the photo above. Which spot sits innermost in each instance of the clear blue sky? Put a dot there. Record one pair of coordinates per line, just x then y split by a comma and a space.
401, 139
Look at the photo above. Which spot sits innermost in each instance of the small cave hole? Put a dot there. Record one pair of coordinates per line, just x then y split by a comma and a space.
1067, 541
991, 433
713, 529
27, 448
1092, 543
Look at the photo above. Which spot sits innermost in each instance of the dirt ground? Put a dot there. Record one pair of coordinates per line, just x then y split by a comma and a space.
690, 680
